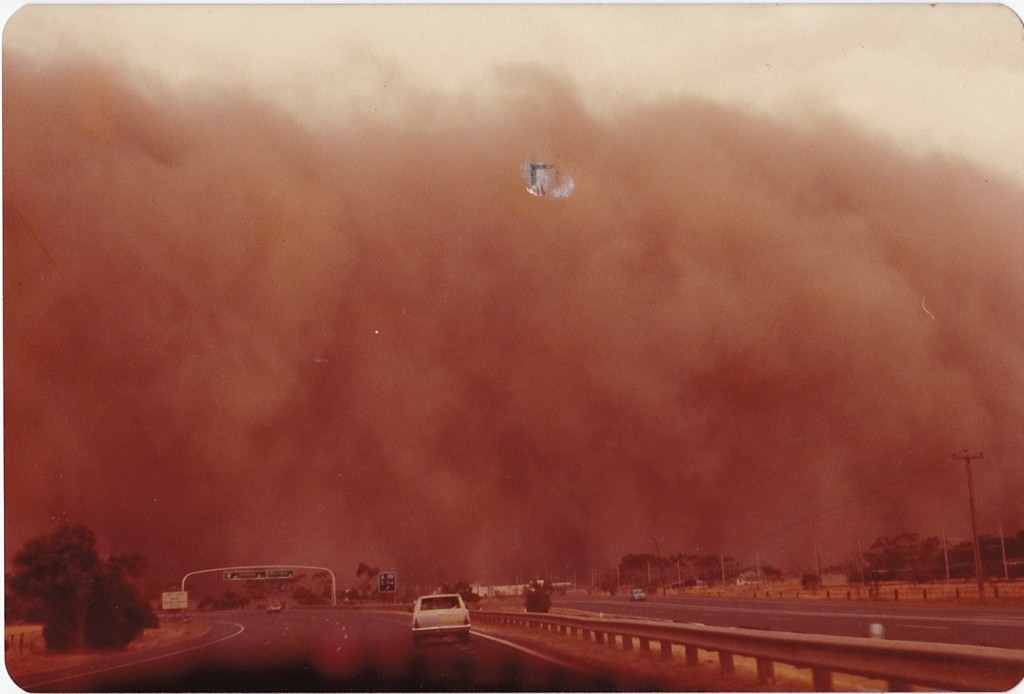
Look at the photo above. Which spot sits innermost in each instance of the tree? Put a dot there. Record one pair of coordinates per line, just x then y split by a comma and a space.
907, 556
304, 596
537, 597
463, 588
810, 582
84, 602
370, 572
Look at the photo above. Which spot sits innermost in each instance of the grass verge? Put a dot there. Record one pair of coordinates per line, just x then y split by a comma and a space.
33, 661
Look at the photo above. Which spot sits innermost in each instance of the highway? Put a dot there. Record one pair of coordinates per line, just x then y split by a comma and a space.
322, 650
994, 625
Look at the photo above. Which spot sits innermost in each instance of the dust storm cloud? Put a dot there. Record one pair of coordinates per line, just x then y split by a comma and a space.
230, 338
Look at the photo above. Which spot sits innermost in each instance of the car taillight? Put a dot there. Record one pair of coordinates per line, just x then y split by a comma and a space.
466, 620
415, 623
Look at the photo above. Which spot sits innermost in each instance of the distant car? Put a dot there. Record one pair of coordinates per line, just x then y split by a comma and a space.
275, 607
443, 614
637, 595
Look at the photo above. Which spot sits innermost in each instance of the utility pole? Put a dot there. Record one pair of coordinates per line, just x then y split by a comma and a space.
1002, 543
661, 565
945, 552
967, 458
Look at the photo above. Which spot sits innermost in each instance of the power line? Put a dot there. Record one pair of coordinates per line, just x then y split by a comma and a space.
967, 458
915, 476
39, 241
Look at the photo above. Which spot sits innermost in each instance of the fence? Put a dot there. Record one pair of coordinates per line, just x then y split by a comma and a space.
19, 640
900, 663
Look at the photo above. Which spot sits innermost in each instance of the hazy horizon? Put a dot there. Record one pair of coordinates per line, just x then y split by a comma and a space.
237, 335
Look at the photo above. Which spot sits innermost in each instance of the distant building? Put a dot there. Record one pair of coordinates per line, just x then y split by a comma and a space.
747, 578
507, 591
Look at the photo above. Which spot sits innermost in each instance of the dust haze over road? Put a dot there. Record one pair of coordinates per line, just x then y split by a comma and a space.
232, 338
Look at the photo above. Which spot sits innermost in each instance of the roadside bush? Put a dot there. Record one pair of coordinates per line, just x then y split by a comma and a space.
537, 598
117, 615
810, 582
84, 602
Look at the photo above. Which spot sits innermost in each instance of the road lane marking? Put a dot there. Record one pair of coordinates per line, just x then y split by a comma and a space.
923, 626
89, 673
531, 652
966, 619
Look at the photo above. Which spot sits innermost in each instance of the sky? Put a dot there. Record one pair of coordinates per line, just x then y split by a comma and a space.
275, 289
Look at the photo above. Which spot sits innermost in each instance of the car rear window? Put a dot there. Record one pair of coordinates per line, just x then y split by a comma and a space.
444, 602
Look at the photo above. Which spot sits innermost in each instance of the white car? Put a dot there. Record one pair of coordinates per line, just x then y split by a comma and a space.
637, 595
443, 614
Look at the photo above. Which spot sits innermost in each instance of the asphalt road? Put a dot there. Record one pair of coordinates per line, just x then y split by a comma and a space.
322, 650
981, 625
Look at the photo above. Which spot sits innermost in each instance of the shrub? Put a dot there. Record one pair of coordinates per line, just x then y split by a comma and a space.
537, 598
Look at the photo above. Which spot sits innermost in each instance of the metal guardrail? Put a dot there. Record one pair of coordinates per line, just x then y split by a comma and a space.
899, 663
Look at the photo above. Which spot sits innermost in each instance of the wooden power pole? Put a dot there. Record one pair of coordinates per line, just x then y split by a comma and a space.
967, 458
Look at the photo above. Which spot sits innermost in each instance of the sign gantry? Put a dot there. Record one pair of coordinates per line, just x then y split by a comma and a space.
263, 572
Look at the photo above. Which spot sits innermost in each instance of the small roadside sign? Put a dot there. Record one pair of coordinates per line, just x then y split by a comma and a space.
386, 582
175, 600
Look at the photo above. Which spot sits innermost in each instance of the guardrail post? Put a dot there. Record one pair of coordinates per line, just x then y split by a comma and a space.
822, 680
897, 664
725, 663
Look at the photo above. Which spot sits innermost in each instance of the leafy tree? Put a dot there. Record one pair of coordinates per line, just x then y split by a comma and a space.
537, 598
84, 602
810, 582
907, 556
463, 588
304, 596
370, 573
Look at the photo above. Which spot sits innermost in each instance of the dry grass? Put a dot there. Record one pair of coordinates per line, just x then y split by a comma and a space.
945, 594
38, 660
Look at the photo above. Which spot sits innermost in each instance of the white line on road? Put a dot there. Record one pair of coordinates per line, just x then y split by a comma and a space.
515, 646
775, 611
142, 660
530, 651
922, 626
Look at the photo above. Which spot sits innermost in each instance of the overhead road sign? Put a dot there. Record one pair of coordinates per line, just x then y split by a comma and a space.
257, 574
